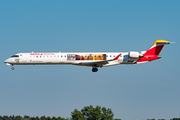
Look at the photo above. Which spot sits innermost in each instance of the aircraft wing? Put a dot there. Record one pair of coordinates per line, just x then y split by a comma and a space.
96, 63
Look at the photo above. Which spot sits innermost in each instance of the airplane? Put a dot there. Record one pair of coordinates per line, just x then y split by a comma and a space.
91, 59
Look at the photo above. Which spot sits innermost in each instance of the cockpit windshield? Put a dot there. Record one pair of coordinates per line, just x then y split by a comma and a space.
15, 56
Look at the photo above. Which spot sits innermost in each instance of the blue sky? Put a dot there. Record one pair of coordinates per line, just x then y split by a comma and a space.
143, 91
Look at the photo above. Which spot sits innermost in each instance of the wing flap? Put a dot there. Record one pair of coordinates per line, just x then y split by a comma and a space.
96, 63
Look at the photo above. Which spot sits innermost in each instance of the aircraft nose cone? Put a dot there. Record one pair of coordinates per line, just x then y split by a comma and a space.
7, 61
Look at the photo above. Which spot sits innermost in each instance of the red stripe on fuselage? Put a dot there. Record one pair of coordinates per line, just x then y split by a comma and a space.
147, 58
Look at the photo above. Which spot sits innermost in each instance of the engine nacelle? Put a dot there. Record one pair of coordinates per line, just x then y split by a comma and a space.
135, 55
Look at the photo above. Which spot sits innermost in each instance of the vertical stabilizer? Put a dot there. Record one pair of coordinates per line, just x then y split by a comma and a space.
156, 47
153, 52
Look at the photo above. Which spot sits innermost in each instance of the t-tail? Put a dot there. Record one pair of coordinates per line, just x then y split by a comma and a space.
153, 52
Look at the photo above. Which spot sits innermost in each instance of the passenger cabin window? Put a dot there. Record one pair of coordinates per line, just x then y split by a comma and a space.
15, 56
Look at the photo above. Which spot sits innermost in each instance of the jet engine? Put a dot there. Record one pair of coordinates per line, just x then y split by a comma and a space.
135, 55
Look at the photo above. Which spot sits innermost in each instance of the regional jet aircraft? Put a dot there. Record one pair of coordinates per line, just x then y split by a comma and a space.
94, 60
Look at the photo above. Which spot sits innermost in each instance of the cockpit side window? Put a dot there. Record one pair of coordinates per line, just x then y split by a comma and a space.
15, 56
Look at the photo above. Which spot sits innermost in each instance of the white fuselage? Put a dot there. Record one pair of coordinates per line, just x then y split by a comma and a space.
95, 60
69, 58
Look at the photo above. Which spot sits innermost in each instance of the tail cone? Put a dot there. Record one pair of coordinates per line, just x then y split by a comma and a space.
159, 56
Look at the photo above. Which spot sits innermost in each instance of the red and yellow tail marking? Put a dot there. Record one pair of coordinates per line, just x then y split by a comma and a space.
153, 52
156, 47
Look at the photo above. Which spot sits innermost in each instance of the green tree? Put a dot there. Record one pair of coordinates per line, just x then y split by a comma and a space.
107, 114
5, 118
175, 119
12, 117
90, 113
48, 118
43, 118
33, 118
77, 115
18, 118
37, 118
26, 117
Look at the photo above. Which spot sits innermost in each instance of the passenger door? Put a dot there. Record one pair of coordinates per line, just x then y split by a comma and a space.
24, 57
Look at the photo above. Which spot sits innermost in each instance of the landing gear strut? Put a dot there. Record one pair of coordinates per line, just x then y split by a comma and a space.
94, 69
12, 67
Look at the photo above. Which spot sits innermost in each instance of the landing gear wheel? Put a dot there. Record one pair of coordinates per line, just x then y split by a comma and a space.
94, 69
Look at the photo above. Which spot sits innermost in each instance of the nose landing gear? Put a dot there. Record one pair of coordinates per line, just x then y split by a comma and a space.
12, 67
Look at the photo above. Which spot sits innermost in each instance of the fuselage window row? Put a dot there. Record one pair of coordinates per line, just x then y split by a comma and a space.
65, 56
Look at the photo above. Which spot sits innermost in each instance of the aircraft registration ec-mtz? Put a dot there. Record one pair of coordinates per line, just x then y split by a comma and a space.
94, 60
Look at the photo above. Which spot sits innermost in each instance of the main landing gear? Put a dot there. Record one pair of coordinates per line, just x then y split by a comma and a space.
94, 69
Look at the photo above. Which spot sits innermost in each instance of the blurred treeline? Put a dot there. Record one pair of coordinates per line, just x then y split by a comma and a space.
31, 118
53, 118
87, 113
